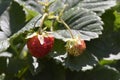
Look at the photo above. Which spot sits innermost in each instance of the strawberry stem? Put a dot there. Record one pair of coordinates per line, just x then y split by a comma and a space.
59, 19
42, 22
67, 28
47, 14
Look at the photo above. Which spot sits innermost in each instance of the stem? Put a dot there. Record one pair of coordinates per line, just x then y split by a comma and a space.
13, 47
21, 47
51, 28
19, 75
67, 28
62, 21
42, 22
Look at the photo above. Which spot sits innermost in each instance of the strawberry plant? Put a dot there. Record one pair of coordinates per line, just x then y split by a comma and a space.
59, 40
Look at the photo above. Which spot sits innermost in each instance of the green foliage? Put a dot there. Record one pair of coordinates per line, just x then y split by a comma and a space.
17, 17
4, 45
4, 4
117, 21
83, 22
99, 73
95, 21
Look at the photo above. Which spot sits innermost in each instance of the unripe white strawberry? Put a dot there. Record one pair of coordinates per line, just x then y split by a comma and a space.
75, 47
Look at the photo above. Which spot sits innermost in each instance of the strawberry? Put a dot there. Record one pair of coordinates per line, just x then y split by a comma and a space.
40, 45
75, 47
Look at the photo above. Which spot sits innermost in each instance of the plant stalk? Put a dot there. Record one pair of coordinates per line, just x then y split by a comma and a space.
42, 22
67, 28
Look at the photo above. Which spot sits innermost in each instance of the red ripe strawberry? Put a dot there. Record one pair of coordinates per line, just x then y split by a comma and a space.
75, 47
40, 45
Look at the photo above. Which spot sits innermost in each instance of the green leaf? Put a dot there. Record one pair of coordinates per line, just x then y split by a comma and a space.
17, 43
113, 57
2, 35
117, 65
108, 43
3, 64
98, 6
106, 62
117, 21
48, 23
58, 49
17, 17
56, 6
100, 48
34, 66
6, 54
82, 19
30, 13
84, 62
58, 52
4, 45
78, 63
117, 7
104, 73
19, 38
30, 25
72, 3
82, 22
4, 4
108, 21
98, 73
5, 25
16, 68
50, 71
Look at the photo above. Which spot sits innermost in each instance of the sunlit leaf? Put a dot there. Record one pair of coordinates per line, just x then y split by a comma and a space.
78, 63
98, 6
4, 44
82, 22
